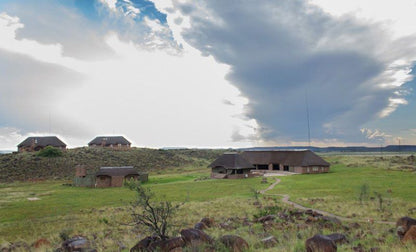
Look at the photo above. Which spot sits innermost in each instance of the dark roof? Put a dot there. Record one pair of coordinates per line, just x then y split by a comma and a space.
231, 161
108, 140
289, 157
117, 171
42, 141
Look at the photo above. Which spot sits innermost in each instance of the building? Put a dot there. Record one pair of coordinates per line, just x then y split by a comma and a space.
117, 142
231, 165
115, 176
37, 143
297, 161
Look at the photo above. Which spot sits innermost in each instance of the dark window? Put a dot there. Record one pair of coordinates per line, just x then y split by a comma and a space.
276, 167
286, 168
263, 167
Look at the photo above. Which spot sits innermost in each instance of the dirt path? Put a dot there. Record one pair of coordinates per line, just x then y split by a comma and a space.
286, 200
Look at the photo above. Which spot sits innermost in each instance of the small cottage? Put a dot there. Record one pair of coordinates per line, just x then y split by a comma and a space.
37, 143
296, 161
231, 165
115, 176
116, 142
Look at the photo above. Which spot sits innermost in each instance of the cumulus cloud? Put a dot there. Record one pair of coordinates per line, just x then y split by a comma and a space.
279, 53
152, 96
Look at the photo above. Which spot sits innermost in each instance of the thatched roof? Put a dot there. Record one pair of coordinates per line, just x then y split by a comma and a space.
289, 157
117, 171
42, 141
231, 160
109, 140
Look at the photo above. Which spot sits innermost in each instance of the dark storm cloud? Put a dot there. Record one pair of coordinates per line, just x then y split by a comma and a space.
283, 53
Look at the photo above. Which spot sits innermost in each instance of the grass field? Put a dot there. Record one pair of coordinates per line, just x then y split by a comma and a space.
103, 215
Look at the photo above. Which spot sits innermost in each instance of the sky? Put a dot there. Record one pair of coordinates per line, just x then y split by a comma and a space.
209, 74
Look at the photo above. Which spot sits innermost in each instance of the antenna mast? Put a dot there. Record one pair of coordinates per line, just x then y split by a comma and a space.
307, 118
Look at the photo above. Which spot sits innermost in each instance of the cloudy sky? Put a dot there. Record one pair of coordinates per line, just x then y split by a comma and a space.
209, 73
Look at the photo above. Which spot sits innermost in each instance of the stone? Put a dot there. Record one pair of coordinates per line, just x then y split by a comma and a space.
234, 243
268, 218
192, 236
209, 222
320, 243
338, 238
169, 245
42, 242
403, 225
76, 243
144, 244
269, 242
410, 234
200, 226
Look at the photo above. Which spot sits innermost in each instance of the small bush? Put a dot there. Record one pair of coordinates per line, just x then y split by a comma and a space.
50, 151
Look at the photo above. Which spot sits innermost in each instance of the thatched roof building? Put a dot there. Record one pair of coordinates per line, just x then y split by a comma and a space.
36, 143
231, 165
298, 161
115, 176
110, 142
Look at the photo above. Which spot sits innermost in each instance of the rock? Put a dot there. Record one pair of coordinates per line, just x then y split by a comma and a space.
410, 234
269, 242
403, 225
375, 249
173, 244
200, 226
209, 222
234, 243
320, 243
354, 225
42, 242
144, 244
338, 238
195, 237
76, 243
263, 219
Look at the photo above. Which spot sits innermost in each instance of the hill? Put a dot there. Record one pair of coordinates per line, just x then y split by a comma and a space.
29, 166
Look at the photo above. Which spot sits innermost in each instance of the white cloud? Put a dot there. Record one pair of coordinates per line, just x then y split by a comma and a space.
152, 97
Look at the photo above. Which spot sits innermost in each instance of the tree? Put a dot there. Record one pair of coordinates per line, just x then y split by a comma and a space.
156, 215
50, 151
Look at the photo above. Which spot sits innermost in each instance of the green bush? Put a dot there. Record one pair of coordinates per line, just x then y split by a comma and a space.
50, 151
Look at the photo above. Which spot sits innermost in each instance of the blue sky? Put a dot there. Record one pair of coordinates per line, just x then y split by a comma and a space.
208, 73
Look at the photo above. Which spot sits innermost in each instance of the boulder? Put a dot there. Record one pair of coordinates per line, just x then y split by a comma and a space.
338, 238
403, 225
410, 234
173, 244
76, 243
263, 219
144, 244
320, 243
195, 237
234, 243
200, 226
209, 222
42, 242
269, 242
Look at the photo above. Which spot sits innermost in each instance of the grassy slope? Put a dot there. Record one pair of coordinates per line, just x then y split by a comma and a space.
28, 166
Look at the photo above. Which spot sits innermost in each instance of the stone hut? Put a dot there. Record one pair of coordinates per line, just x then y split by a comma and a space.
37, 143
231, 165
297, 161
115, 176
115, 142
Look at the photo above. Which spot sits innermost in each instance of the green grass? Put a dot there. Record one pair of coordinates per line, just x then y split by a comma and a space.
101, 214
338, 191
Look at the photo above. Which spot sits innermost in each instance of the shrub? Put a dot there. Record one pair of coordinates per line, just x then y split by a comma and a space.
49, 151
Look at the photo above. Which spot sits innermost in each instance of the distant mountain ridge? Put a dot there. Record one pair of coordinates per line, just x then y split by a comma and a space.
388, 148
